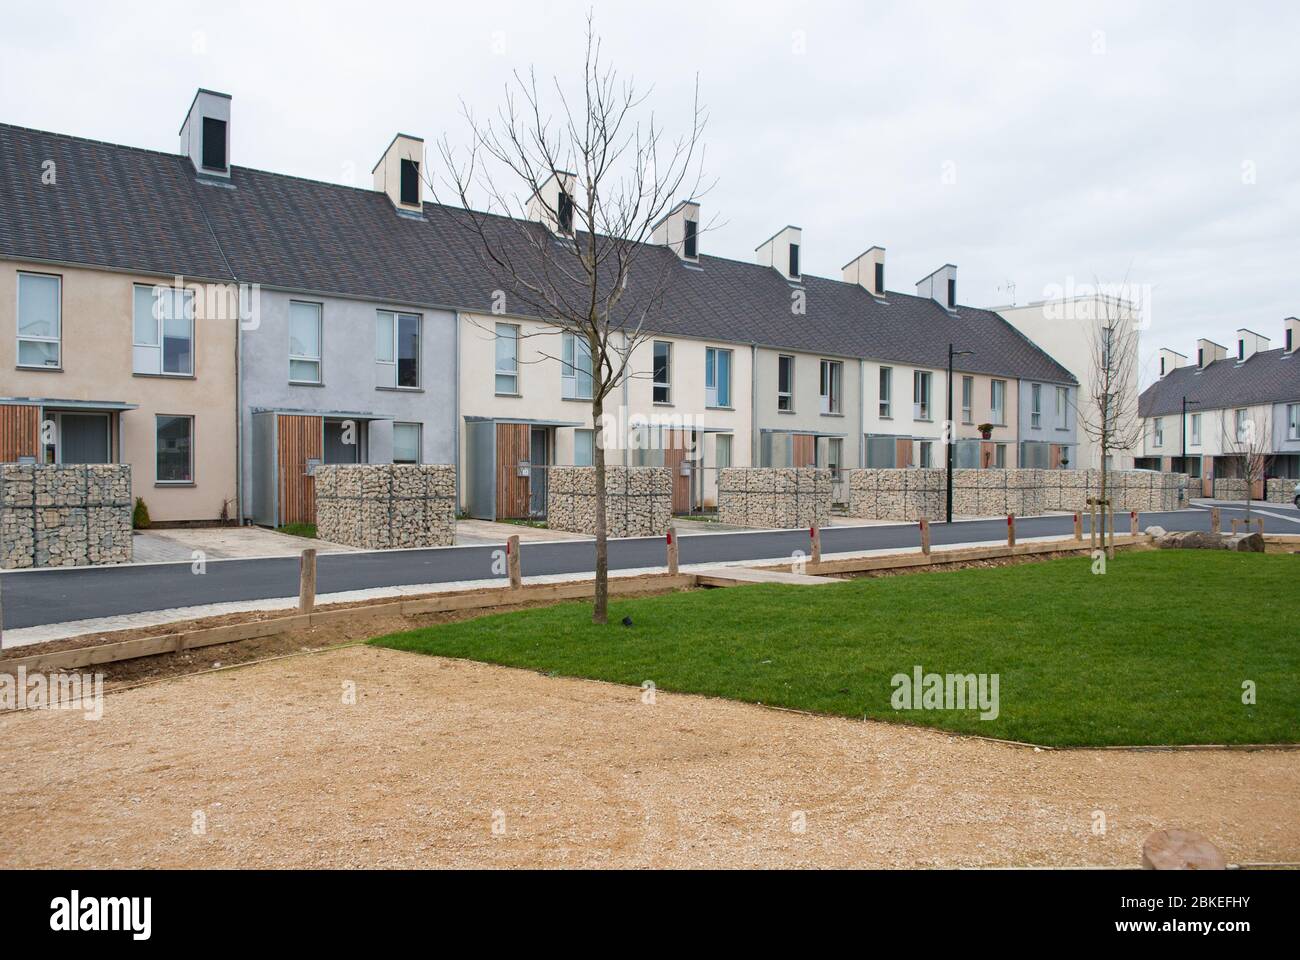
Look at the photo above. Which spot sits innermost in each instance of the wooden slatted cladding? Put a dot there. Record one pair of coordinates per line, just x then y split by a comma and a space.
675, 444
903, 452
512, 489
299, 439
804, 450
20, 431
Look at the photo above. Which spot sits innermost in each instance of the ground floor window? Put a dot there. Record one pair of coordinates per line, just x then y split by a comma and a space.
406, 443
927, 453
722, 451
175, 449
584, 448
1000, 456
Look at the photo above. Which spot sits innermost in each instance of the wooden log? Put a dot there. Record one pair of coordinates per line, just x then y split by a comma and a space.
925, 536
307, 581
673, 555
513, 566
1180, 850
1011, 529
815, 535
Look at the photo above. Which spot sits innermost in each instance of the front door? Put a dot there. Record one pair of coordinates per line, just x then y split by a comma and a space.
343, 439
539, 460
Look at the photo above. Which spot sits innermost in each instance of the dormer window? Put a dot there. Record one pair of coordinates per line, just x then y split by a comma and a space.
1162, 366
952, 292
564, 212
1241, 349
410, 182
880, 279
214, 144
1288, 339
1200, 356
794, 259
690, 247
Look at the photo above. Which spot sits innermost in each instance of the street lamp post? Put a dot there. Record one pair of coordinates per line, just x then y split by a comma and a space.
951, 428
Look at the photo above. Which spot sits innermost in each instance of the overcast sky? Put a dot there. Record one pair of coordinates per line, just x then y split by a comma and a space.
1037, 145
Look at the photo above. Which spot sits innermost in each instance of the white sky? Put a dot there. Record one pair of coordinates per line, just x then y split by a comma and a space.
1085, 141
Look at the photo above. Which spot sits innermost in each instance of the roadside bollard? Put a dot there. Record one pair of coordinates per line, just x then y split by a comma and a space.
672, 551
512, 562
1214, 519
1133, 523
1011, 529
1259, 525
925, 536
815, 535
307, 581
1234, 521
1078, 527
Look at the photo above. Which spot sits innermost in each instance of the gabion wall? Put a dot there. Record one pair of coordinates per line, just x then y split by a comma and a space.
1279, 490
386, 506
64, 516
910, 493
1230, 488
774, 498
638, 500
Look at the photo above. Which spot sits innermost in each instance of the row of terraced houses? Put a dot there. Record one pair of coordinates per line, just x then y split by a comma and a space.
224, 329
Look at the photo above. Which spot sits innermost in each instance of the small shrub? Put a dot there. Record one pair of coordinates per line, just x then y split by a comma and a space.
140, 515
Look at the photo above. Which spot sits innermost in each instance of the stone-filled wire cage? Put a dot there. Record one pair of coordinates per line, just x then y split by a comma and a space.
638, 500
386, 506
57, 515
775, 498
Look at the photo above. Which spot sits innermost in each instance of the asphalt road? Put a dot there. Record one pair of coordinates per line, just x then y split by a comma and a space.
32, 598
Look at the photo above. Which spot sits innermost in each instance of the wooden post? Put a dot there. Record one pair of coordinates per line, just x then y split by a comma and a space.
512, 562
1259, 525
925, 536
1234, 521
1011, 529
1133, 524
672, 551
1214, 519
815, 534
1078, 527
307, 581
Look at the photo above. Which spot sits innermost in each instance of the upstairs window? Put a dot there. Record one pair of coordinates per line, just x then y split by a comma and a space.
40, 320
886, 391
214, 144
507, 359
952, 292
411, 182
967, 399
304, 342
1240, 418
663, 372
1062, 406
690, 245
1035, 405
575, 375
397, 349
832, 375
1241, 349
998, 402
564, 212
920, 395
880, 279
794, 259
785, 383
163, 331
717, 377
1196, 429
1158, 432
1292, 421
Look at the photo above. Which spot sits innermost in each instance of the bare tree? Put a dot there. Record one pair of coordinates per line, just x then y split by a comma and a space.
1111, 417
600, 174
1249, 439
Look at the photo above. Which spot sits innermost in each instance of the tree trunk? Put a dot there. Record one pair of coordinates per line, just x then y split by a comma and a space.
1105, 506
600, 611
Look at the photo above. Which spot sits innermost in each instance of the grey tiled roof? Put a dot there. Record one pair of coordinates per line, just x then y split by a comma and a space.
1270, 376
137, 209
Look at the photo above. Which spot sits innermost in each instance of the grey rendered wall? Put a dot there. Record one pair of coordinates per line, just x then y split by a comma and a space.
1046, 433
349, 378
1280, 443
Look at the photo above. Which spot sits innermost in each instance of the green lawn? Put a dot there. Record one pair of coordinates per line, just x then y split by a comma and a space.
1154, 651
299, 530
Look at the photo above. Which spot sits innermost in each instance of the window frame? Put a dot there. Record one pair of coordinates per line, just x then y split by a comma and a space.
319, 360
1157, 431
655, 384
396, 362
1035, 406
1239, 423
497, 372
712, 366
886, 393
160, 332
717, 455
998, 417
794, 261
967, 399
419, 440
831, 377
691, 240
19, 339
922, 406
925, 454
591, 435
174, 483
1062, 408
569, 345
225, 142
1196, 430
788, 394
403, 165
1293, 421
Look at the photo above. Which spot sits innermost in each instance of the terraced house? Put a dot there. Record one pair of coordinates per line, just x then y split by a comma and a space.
1207, 415
364, 325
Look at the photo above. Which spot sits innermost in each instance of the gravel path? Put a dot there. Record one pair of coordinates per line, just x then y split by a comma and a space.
437, 753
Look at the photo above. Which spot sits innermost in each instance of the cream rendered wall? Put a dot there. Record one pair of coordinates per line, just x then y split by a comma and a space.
97, 314
1064, 330
540, 386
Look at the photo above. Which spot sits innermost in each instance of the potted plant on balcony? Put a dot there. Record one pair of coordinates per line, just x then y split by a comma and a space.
986, 430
